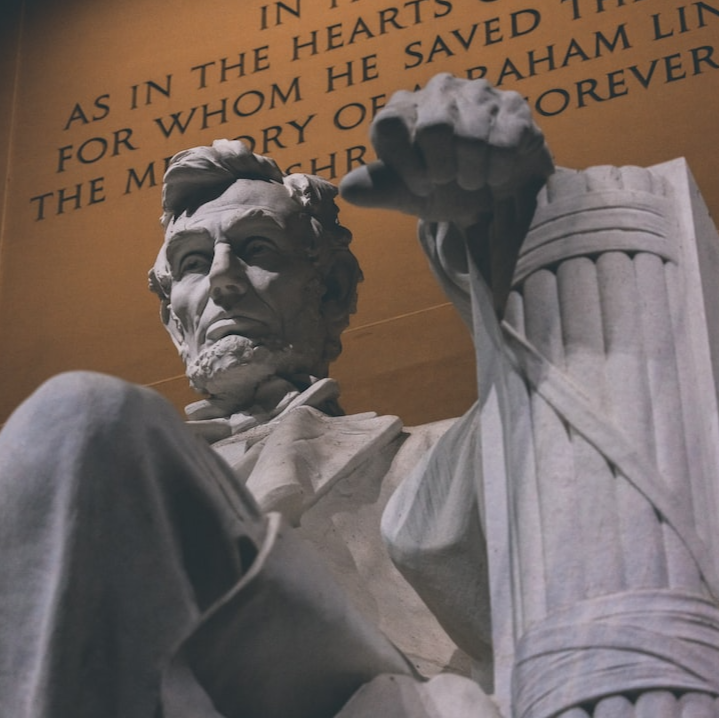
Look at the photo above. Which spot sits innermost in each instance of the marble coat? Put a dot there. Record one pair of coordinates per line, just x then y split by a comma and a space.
331, 477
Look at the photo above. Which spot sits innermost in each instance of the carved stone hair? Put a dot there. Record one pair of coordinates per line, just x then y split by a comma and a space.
201, 174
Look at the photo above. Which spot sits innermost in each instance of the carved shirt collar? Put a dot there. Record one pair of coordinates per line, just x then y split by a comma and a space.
322, 394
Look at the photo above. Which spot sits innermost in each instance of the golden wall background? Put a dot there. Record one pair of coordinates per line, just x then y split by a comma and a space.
89, 88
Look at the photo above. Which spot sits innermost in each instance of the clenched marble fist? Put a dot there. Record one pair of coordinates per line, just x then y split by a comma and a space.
450, 151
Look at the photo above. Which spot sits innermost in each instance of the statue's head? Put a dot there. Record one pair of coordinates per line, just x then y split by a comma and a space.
255, 275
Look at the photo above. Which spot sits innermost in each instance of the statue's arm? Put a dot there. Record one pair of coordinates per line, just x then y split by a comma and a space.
459, 152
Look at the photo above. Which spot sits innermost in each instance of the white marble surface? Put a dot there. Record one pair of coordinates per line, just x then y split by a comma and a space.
568, 519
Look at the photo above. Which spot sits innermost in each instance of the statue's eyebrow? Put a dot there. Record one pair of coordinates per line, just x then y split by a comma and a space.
236, 225
255, 214
186, 235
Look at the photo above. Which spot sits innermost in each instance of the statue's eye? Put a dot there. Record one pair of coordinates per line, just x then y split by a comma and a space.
257, 248
194, 263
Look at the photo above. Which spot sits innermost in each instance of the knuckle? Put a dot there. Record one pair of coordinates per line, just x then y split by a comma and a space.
388, 126
485, 95
514, 105
388, 120
401, 97
441, 81
478, 86
513, 99
434, 128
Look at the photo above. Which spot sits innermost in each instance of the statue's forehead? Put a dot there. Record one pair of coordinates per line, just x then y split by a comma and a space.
254, 192
243, 200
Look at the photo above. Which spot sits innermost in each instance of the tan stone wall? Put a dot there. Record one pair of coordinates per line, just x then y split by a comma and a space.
639, 79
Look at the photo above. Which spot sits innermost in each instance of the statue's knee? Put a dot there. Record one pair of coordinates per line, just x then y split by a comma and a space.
80, 391
83, 421
83, 397
77, 384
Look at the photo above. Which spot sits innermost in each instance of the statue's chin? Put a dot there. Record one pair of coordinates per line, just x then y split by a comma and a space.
235, 367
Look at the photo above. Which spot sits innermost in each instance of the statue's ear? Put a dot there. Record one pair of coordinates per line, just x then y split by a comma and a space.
340, 296
174, 328
167, 316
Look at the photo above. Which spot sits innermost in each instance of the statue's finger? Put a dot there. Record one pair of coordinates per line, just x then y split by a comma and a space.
443, 83
392, 135
377, 185
538, 163
501, 166
436, 143
513, 126
472, 163
516, 128
477, 110
435, 135
515, 142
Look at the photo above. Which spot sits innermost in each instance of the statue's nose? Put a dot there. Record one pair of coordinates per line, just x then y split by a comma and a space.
228, 279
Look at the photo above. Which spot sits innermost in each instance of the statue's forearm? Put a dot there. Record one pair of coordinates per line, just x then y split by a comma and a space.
459, 151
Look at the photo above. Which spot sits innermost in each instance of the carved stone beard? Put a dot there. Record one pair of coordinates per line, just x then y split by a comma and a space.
239, 373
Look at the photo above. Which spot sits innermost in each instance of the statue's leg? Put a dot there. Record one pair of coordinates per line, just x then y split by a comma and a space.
115, 534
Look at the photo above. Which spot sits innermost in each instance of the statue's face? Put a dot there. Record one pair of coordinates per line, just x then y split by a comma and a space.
244, 295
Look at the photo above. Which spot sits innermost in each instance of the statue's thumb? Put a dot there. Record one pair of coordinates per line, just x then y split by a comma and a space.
377, 185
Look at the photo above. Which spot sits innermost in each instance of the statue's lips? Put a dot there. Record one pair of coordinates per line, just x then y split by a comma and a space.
243, 326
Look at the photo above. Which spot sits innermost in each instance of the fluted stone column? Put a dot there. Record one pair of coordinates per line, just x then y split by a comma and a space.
605, 529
